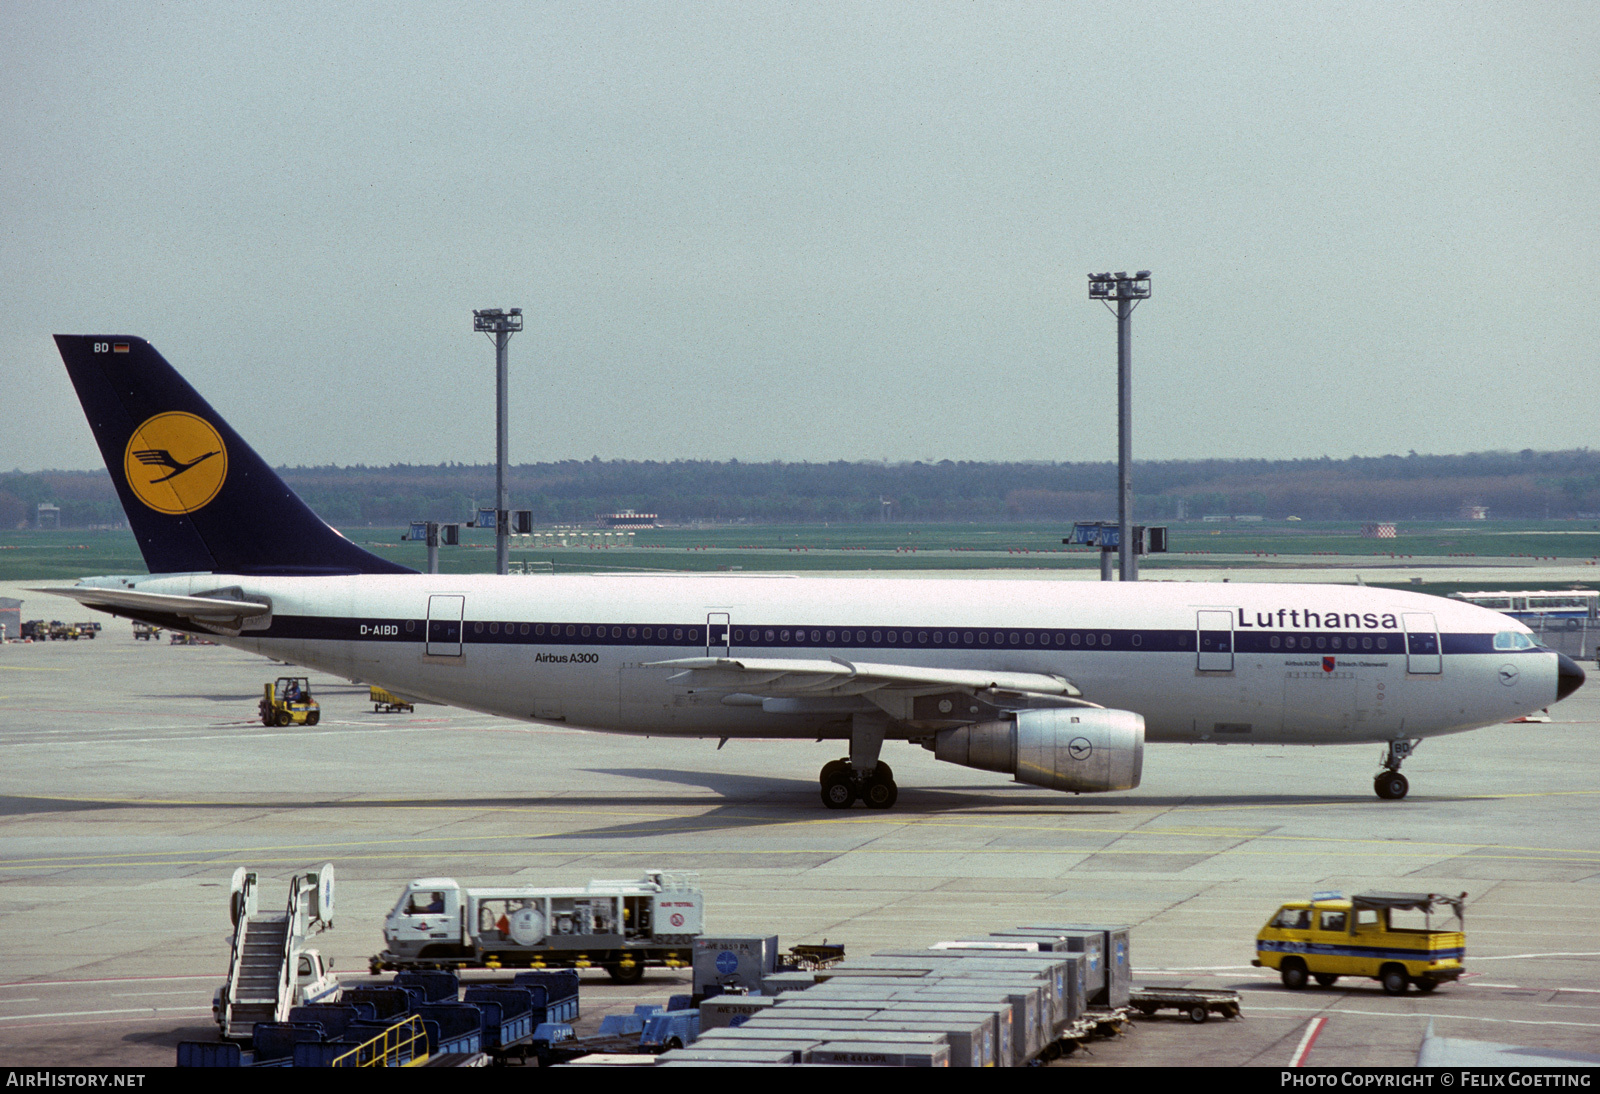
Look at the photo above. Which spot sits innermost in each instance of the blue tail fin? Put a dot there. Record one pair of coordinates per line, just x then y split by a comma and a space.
197, 496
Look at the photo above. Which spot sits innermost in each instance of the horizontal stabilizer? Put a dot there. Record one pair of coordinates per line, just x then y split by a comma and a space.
212, 612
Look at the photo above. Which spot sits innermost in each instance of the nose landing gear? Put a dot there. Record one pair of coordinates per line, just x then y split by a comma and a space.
1389, 783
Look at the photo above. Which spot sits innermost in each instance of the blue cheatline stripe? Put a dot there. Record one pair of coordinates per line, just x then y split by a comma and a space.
778, 636
1320, 949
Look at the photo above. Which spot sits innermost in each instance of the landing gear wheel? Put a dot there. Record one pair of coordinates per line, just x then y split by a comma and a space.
1293, 974
1327, 979
834, 767
626, 974
838, 790
879, 791
1395, 981
1391, 785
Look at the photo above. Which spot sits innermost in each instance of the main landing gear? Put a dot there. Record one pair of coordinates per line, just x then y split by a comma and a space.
841, 786
1389, 783
862, 776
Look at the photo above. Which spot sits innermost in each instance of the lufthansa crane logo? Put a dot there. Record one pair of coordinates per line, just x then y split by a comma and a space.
175, 463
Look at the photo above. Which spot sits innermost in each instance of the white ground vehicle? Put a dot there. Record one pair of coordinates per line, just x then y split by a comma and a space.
271, 970
621, 926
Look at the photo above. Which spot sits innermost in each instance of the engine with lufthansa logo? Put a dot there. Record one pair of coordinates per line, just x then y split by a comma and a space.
1080, 750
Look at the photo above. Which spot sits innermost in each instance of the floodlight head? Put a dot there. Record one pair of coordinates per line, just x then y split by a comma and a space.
496, 320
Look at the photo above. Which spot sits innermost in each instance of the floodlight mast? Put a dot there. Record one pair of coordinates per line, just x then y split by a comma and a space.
501, 324
1126, 292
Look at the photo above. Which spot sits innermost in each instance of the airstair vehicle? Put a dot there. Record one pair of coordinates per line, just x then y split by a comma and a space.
271, 969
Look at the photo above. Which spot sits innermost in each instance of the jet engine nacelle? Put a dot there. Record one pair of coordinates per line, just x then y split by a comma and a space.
1076, 749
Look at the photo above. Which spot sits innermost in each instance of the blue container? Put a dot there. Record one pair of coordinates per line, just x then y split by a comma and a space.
436, 985
210, 1054
452, 1027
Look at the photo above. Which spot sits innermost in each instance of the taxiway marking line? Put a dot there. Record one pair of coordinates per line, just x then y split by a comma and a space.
1313, 1030
101, 980
1581, 856
151, 1011
575, 852
1453, 1016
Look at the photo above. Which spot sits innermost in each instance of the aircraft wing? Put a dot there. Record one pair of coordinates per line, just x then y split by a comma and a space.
211, 612
906, 692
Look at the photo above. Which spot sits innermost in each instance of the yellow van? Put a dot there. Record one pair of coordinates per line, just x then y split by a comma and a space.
1388, 937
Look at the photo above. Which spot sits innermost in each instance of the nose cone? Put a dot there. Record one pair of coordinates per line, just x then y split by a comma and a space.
1569, 677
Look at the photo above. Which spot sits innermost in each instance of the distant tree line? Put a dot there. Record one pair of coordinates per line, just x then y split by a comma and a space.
1520, 485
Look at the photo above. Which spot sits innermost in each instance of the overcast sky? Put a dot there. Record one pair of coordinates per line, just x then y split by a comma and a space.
810, 231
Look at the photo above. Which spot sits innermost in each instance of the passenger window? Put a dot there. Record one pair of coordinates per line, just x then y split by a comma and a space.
1333, 921
1367, 917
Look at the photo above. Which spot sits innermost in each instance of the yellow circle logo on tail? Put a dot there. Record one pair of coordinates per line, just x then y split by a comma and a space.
175, 463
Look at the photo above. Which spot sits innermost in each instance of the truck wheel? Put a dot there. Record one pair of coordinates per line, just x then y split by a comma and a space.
1327, 979
626, 974
313, 717
1425, 986
1293, 973
1198, 1014
282, 718
1395, 981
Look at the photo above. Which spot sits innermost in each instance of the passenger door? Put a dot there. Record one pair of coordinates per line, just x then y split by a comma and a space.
1423, 654
719, 634
1214, 640
444, 625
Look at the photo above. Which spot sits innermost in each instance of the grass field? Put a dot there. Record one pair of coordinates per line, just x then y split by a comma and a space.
27, 555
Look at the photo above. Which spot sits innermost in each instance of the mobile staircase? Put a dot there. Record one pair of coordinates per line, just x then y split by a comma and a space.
270, 969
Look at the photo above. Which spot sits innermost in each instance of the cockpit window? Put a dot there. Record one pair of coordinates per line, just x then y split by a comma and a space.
1513, 640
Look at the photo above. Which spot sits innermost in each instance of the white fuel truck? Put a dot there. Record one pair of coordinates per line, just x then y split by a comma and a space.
622, 926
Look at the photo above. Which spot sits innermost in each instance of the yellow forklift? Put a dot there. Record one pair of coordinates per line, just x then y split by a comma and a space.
288, 701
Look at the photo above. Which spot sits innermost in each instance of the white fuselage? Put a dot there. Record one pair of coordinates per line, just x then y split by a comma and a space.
1227, 663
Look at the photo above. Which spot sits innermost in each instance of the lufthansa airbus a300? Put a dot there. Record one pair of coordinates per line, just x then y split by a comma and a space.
1059, 684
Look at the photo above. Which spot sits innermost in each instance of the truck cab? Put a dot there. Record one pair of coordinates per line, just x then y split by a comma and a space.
426, 921
314, 981
1387, 937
